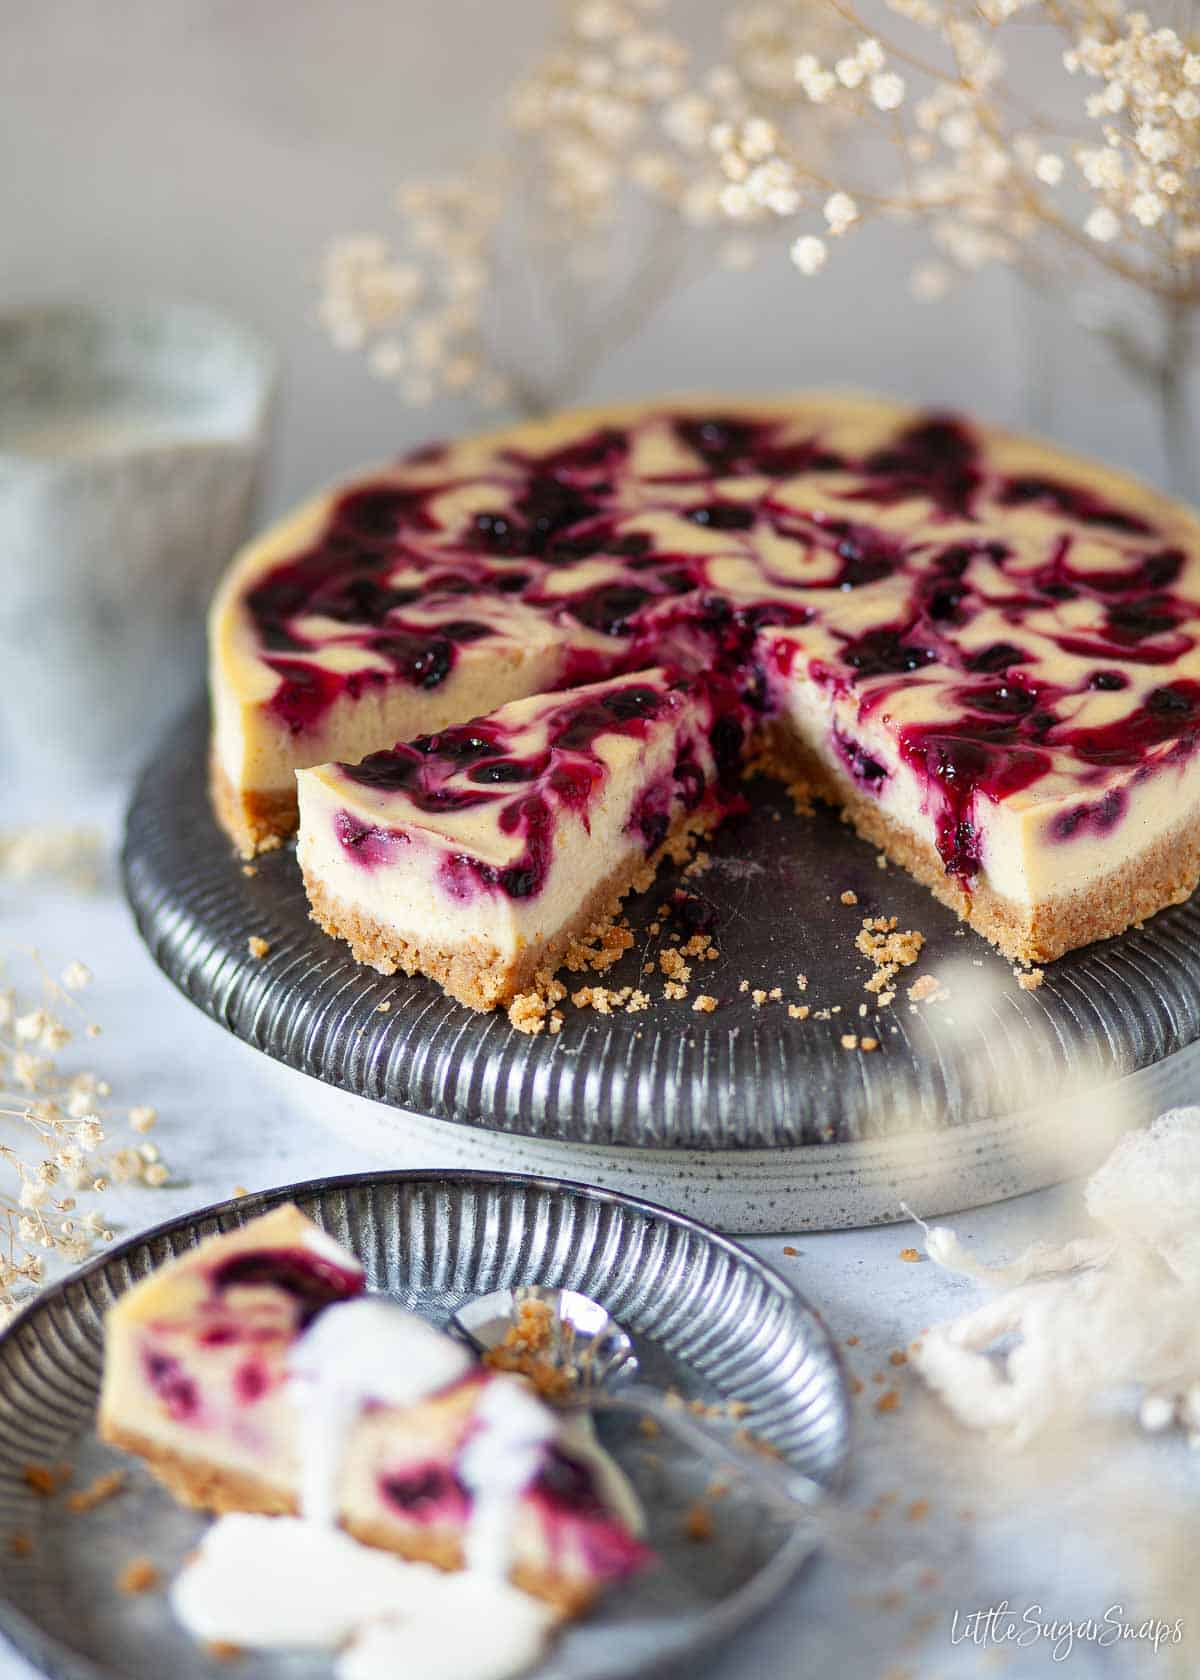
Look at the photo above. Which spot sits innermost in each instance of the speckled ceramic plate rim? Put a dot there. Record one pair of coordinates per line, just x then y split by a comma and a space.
57, 1661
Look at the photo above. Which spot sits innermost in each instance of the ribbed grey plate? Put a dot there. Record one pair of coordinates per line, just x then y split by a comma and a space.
708, 1317
742, 1077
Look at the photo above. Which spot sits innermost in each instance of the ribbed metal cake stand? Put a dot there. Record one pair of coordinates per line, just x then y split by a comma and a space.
745, 1116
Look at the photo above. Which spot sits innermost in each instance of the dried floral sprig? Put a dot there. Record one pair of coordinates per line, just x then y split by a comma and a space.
1105, 180
58, 1117
602, 194
814, 124
73, 855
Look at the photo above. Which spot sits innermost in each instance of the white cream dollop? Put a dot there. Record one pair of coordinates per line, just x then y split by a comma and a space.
265, 1583
505, 1451
358, 1352
474, 1627
276, 1583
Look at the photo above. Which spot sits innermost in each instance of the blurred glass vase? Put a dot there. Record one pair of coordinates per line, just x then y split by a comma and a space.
130, 447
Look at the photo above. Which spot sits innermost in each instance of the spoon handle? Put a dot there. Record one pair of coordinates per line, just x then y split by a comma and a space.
788, 1492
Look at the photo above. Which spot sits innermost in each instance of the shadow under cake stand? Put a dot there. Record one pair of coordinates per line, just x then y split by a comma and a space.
746, 1117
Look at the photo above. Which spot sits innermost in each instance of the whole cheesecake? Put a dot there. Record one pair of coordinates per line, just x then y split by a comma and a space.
984, 650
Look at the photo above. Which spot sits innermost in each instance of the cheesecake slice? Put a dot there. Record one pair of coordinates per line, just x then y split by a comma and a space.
253, 1374
986, 651
477, 854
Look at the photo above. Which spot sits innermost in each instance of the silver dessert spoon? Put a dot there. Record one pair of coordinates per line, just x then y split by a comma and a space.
600, 1372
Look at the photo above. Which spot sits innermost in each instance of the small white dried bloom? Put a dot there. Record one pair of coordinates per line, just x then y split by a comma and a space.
143, 1118
840, 211
156, 1175
90, 1133
1148, 209
76, 976
29, 1070
55, 1036
887, 90
1156, 1413
1049, 169
31, 1025
809, 254
1102, 225
33, 1194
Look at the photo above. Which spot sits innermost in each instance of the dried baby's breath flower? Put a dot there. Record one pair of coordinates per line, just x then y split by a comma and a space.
53, 1127
73, 855
624, 162
619, 161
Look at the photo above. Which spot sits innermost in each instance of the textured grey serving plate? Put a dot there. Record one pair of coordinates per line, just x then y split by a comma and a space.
707, 1316
667, 1078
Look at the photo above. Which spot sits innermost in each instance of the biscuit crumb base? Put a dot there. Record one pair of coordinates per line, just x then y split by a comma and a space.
139, 1575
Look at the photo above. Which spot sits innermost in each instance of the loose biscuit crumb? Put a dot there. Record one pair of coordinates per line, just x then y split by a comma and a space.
257, 946
41, 1478
103, 1488
138, 1576
533, 1011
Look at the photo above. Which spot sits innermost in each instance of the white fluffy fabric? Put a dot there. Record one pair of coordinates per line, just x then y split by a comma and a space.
1077, 1320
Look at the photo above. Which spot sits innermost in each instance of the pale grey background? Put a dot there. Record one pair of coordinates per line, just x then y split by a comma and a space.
207, 148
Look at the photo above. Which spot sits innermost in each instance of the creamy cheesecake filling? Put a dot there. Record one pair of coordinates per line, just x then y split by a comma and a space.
995, 642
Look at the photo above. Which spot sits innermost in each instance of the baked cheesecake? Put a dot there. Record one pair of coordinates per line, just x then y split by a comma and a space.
477, 854
983, 649
253, 1374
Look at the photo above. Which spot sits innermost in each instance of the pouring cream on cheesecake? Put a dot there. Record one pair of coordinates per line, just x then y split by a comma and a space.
381, 1495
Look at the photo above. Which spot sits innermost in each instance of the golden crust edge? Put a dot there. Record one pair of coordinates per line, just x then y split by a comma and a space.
255, 822
468, 972
205, 1487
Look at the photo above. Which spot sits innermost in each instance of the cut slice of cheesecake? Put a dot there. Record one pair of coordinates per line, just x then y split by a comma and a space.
986, 650
211, 1364
476, 855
